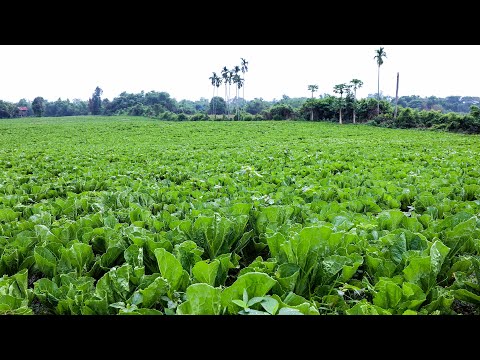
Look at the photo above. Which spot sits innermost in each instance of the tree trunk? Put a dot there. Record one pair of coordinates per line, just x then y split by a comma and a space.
340, 116
396, 98
354, 103
244, 103
229, 86
213, 100
226, 99
311, 113
378, 92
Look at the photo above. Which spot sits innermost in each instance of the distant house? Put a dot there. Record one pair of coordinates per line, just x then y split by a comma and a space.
22, 111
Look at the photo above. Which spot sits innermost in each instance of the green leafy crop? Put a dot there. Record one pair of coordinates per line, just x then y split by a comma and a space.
132, 216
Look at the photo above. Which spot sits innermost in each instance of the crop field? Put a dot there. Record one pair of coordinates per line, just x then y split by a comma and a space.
128, 215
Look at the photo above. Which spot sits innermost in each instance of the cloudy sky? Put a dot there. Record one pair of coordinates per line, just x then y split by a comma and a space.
73, 71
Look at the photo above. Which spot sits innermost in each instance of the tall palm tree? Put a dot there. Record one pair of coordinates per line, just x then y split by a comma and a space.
380, 54
312, 88
244, 66
225, 75
239, 82
340, 89
356, 84
232, 73
218, 82
213, 80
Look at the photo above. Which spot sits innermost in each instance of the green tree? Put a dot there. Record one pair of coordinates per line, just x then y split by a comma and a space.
244, 66
324, 109
256, 106
380, 54
356, 84
341, 89
219, 104
7, 109
80, 107
38, 106
280, 112
238, 81
225, 76
230, 81
367, 108
218, 82
95, 102
186, 107
213, 80
312, 88
407, 118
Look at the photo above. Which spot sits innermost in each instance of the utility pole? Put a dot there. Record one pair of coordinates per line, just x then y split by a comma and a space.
396, 99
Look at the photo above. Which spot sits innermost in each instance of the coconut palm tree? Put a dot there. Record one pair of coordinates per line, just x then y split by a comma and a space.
340, 89
231, 74
380, 54
213, 80
312, 88
225, 75
218, 82
237, 80
356, 84
244, 66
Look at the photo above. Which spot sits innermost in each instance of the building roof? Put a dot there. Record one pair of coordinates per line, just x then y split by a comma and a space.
22, 108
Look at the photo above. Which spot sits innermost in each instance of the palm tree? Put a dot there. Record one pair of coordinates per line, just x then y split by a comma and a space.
312, 88
231, 75
213, 79
244, 66
380, 54
218, 82
340, 89
239, 82
356, 84
225, 75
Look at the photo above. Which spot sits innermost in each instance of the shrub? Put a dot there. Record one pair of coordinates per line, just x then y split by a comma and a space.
182, 117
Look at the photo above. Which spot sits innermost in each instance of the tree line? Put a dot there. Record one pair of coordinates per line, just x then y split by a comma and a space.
159, 105
453, 113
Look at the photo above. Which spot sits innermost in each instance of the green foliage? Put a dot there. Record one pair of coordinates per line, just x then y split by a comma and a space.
38, 106
279, 112
199, 117
406, 118
256, 106
95, 102
202, 299
137, 216
217, 103
323, 109
254, 284
7, 110
15, 296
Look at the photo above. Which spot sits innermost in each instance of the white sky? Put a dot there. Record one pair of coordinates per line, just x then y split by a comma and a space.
73, 71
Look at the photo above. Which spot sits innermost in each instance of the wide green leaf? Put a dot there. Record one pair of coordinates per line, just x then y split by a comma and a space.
206, 271
202, 299
388, 296
256, 284
171, 269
